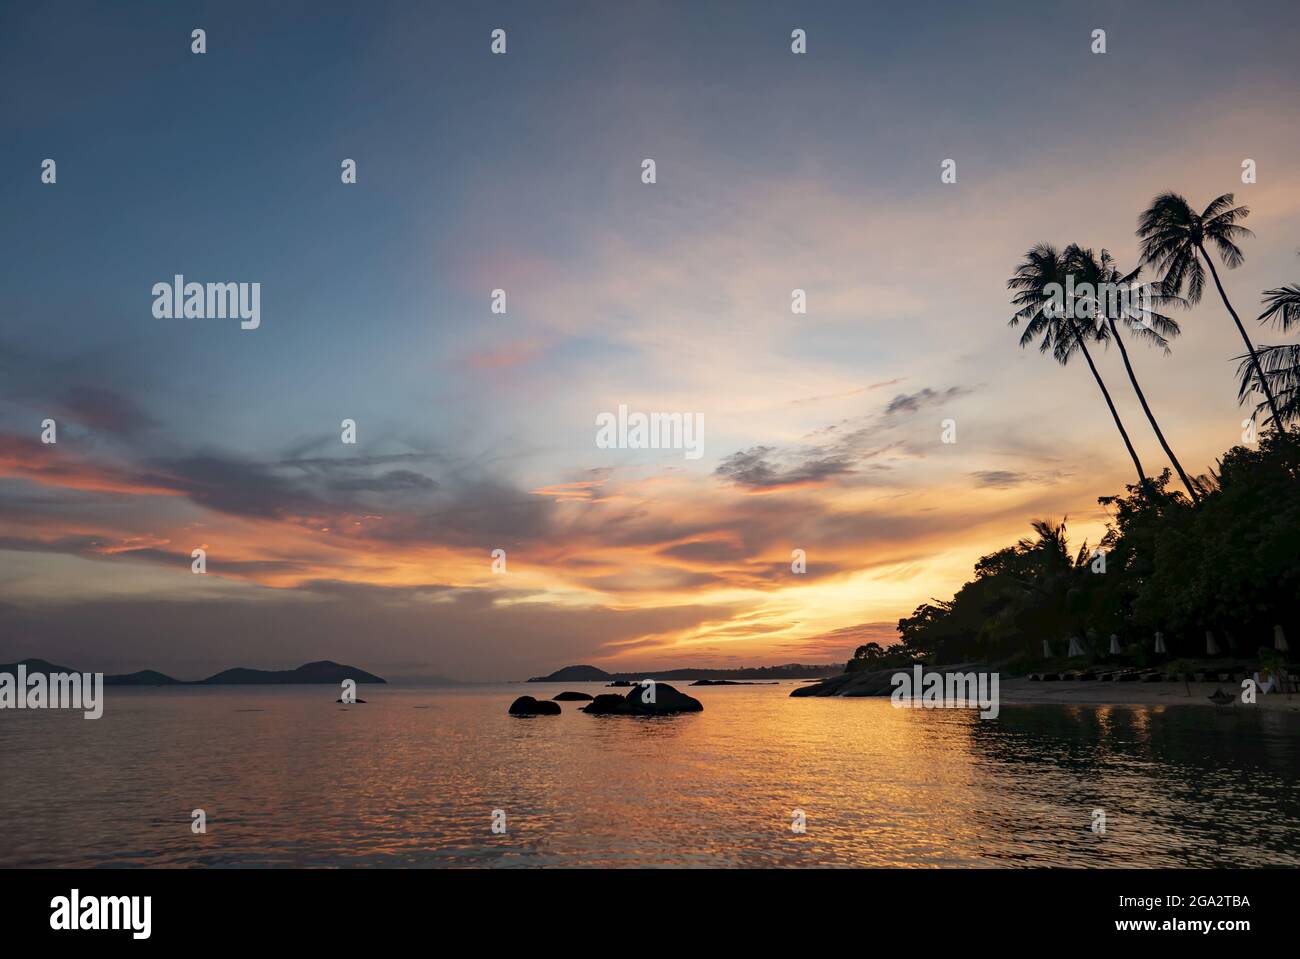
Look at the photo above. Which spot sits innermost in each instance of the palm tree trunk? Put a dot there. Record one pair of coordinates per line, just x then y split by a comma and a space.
1142, 474
1132, 377
1254, 358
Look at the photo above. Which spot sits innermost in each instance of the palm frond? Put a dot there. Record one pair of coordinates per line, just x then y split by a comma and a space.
1282, 307
1217, 206
1281, 367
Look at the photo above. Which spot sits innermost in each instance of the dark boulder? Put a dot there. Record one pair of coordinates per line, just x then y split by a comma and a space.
527, 706
604, 705
570, 696
667, 701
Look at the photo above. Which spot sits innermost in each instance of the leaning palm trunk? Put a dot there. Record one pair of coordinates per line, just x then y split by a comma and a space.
1250, 347
1119, 424
1132, 378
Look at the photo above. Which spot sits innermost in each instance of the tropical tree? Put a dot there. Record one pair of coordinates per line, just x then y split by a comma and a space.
874, 656
1173, 236
1056, 328
1231, 564
1095, 272
1019, 595
1281, 367
1055, 575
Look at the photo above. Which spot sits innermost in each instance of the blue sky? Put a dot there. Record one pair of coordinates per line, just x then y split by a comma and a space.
521, 172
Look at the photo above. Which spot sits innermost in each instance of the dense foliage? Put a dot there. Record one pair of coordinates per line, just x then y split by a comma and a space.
1230, 564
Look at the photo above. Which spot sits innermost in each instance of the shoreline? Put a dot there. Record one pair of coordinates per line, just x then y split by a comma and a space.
1022, 691
1026, 691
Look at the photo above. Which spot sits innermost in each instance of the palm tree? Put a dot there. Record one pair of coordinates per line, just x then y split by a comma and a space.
1058, 329
1053, 547
1153, 327
1051, 582
1172, 236
1279, 365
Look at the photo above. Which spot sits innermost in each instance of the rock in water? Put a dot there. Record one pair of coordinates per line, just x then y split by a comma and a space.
605, 704
527, 706
572, 697
667, 701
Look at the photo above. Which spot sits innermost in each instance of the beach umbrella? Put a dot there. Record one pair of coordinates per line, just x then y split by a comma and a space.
1075, 648
1160, 643
1047, 648
1279, 639
1211, 647
1114, 645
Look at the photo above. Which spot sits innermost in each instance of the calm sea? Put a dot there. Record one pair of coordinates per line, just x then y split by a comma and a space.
287, 777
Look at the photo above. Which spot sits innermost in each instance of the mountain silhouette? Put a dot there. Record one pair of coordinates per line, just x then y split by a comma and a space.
321, 672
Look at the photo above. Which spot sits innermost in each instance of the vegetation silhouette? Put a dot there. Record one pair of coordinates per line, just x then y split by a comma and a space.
1221, 559
1058, 330
1230, 564
1279, 365
1172, 236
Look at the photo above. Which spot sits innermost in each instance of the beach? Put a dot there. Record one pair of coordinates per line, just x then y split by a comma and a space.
1022, 691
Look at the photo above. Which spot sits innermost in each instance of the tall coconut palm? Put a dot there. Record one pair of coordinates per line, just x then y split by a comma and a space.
1057, 330
1093, 273
1172, 236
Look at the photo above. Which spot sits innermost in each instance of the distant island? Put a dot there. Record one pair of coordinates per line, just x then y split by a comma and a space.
593, 674
323, 672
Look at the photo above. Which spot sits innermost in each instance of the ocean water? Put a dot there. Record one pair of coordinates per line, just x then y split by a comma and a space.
287, 777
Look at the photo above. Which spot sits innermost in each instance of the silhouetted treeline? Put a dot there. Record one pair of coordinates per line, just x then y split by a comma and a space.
1229, 564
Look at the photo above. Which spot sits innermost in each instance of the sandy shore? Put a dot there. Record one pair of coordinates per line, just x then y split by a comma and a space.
1023, 691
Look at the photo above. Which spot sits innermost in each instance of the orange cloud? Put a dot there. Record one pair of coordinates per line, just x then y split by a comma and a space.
49, 465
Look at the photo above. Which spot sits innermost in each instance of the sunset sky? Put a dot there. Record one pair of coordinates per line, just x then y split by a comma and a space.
477, 431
